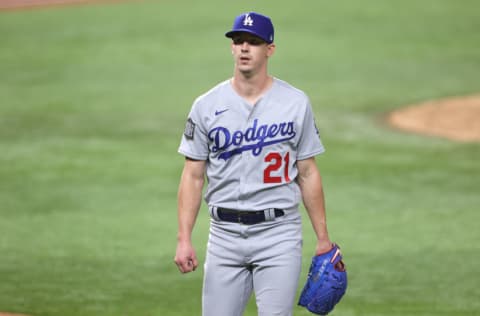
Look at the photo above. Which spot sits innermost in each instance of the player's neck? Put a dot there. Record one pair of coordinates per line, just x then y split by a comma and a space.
251, 88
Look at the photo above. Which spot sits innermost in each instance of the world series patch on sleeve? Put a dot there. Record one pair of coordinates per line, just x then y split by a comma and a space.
326, 282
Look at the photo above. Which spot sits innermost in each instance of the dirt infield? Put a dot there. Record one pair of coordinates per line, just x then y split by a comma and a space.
456, 118
32, 4
10, 314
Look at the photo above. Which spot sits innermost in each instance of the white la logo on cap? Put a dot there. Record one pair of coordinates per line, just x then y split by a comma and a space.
248, 20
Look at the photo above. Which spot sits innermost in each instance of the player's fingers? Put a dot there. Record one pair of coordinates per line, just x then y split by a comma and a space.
194, 263
185, 266
180, 264
182, 267
189, 267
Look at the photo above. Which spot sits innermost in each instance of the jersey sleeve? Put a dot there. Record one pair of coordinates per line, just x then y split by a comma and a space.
194, 143
309, 144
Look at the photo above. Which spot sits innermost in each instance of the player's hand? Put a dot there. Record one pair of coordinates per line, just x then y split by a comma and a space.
323, 246
186, 258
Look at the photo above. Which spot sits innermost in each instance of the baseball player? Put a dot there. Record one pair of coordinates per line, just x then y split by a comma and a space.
254, 138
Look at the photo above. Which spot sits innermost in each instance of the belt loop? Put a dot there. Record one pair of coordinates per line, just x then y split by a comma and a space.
269, 214
213, 212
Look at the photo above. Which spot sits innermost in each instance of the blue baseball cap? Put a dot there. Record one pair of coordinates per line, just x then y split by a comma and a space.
253, 23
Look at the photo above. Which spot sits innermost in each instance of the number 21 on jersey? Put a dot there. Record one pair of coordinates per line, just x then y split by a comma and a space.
277, 168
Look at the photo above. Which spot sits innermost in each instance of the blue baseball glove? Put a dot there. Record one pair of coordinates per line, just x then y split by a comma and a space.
326, 282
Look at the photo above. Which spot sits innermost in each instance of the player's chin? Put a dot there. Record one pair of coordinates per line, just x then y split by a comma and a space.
245, 69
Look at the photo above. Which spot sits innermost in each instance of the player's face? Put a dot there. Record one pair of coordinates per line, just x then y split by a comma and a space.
250, 52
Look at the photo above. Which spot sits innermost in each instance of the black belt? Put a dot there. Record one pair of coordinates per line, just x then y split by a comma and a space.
246, 217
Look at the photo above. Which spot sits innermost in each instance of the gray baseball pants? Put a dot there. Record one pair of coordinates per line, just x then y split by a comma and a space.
264, 258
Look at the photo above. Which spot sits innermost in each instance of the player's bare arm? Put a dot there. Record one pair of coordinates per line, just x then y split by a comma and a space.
310, 182
189, 201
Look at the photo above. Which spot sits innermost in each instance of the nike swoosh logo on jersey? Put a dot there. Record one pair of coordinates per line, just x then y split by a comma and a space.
220, 112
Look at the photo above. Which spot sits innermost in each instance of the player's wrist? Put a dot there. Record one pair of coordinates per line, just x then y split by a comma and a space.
323, 246
184, 238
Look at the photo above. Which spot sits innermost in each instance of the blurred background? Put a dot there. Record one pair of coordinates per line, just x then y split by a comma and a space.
93, 103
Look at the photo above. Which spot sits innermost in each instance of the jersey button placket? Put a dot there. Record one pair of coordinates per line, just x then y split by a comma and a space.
245, 157
243, 163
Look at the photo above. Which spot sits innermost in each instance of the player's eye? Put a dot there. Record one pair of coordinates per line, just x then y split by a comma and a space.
251, 41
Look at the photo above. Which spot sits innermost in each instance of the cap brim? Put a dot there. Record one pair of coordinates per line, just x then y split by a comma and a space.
233, 32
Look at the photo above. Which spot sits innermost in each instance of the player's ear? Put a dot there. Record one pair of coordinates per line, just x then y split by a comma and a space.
270, 49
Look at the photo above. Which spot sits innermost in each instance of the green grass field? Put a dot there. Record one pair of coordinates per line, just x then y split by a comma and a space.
93, 101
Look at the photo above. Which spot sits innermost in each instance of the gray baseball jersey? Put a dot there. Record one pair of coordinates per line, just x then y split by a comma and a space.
251, 150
